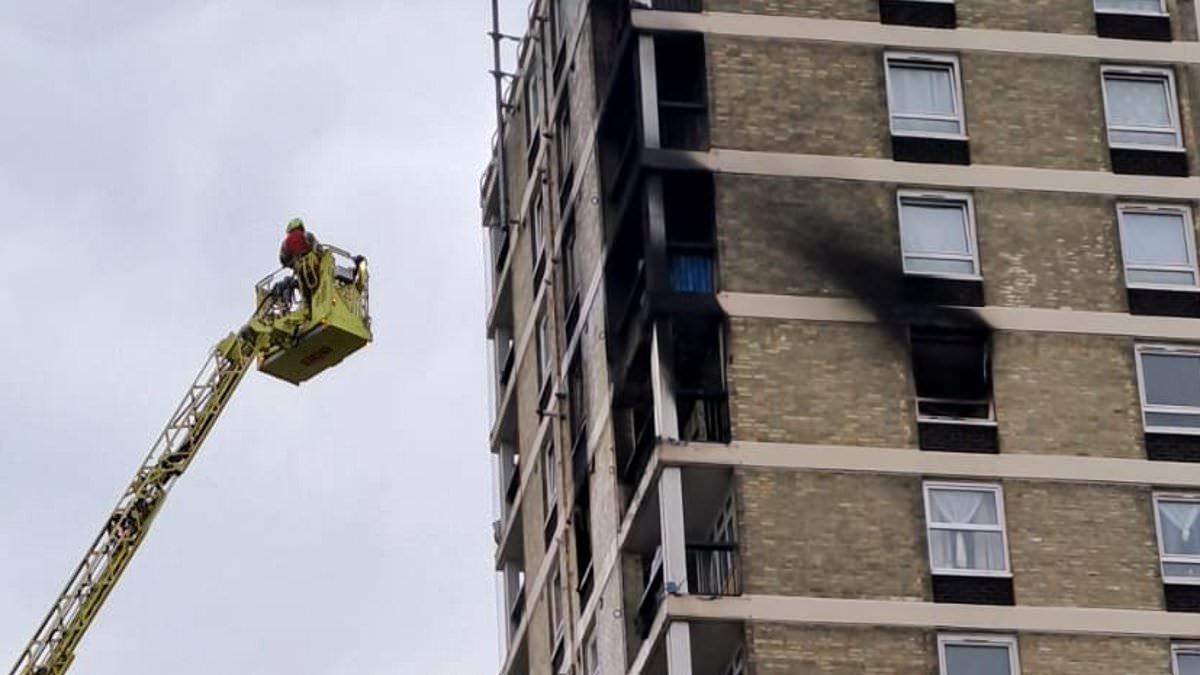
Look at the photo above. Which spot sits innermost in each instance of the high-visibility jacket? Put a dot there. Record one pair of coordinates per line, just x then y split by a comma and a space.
296, 244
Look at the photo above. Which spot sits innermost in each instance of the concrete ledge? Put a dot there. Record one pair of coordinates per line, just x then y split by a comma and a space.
751, 162
837, 612
898, 461
803, 308
911, 37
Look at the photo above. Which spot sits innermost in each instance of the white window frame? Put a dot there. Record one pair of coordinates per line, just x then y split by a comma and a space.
963, 640
537, 228
1163, 556
1184, 350
1162, 11
1172, 104
1189, 240
534, 98
550, 479
1001, 525
927, 59
972, 239
542, 344
1189, 648
555, 606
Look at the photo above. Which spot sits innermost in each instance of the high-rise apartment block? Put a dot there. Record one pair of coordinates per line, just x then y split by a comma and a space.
718, 449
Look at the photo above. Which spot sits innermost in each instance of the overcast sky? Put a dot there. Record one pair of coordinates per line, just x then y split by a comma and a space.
150, 155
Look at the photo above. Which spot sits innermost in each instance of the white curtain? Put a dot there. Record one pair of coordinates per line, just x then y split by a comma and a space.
1155, 238
1138, 102
929, 228
918, 90
964, 549
1144, 6
1180, 534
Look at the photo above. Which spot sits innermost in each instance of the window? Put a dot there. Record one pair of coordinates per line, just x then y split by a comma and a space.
977, 655
1186, 659
1158, 246
737, 664
952, 374
1151, 7
591, 655
550, 480
937, 234
1140, 107
554, 601
1177, 518
537, 230
724, 528
544, 344
1170, 388
924, 96
966, 529
533, 97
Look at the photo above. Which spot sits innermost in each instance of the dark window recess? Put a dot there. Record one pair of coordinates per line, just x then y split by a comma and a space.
950, 437
535, 146
544, 395
952, 374
1133, 27
570, 279
652, 575
930, 150
581, 524
918, 13
551, 525
682, 91
973, 590
1173, 447
539, 272
514, 484
1149, 162
689, 207
1181, 597
677, 5
701, 400
577, 404
1161, 302
938, 291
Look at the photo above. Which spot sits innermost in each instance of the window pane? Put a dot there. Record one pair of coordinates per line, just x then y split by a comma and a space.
922, 90
1180, 524
977, 660
1181, 571
1145, 6
1155, 238
931, 126
1126, 137
934, 228
976, 507
955, 550
1160, 420
1189, 664
1171, 379
1138, 102
1161, 277
938, 266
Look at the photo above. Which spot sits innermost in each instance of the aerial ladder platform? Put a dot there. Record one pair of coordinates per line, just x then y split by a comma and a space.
308, 319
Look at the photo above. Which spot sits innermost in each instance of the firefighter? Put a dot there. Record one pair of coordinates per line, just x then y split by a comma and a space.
296, 246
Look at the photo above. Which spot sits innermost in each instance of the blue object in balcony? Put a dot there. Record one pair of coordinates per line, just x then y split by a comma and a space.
691, 273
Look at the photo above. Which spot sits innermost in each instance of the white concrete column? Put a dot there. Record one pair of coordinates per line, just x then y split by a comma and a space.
648, 77
671, 523
679, 648
666, 418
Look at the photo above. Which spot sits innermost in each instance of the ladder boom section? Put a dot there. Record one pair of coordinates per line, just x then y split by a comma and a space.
52, 648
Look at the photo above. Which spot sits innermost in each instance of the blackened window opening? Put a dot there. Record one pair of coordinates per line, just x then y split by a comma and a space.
682, 91
689, 206
701, 400
952, 372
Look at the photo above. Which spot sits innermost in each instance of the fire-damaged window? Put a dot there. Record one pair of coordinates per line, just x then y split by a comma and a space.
700, 395
952, 374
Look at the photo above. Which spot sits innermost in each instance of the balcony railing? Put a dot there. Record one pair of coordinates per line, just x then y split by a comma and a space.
704, 416
713, 569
